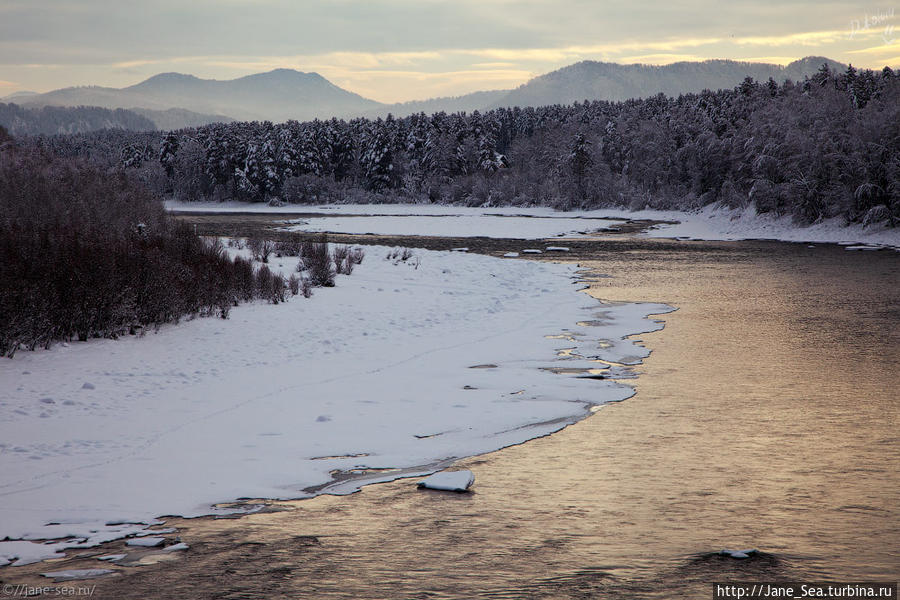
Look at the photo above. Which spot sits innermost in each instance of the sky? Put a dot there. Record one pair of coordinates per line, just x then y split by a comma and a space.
398, 50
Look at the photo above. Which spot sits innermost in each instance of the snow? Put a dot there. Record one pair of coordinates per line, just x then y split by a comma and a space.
449, 481
73, 574
739, 553
146, 542
478, 225
112, 557
176, 547
710, 223
558, 249
511, 255
364, 376
717, 223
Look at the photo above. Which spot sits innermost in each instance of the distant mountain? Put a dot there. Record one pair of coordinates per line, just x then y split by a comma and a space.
17, 95
51, 120
179, 118
278, 95
450, 104
590, 80
285, 94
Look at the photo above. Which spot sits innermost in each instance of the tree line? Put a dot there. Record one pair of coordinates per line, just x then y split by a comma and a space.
51, 120
828, 146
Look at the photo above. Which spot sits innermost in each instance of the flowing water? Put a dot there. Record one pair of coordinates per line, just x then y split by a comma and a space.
765, 418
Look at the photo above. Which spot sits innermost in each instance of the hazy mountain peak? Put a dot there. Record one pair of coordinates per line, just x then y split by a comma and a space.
593, 80
166, 79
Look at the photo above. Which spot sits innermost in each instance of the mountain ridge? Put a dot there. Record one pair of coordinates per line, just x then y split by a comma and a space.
285, 94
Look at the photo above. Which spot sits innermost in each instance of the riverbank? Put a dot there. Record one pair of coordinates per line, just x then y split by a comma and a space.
765, 417
711, 223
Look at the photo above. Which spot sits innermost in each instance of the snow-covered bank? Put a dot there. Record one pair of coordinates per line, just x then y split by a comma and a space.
100, 437
484, 225
710, 223
715, 223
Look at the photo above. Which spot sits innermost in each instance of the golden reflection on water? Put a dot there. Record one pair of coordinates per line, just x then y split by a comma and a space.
766, 418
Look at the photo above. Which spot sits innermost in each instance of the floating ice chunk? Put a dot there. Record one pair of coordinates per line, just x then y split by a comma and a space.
449, 481
866, 247
112, 557
176, 547
739, 553
558, 249
532, 251
77, 574
147, 542
511, 255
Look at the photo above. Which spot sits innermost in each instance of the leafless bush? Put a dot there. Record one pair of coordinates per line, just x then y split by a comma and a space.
288, 247
279, 289
306, 287
294, 284
264, 279
318, 262
237, 243
399, 255
357, 255
245, 280
261, 248
340, 252
346, 266
345, 258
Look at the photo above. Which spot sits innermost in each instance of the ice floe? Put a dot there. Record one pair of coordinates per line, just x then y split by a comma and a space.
449, 481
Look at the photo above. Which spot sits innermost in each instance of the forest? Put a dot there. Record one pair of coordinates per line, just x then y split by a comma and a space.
50, 120
828, 146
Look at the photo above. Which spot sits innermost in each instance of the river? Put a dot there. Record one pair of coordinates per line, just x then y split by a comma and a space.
766, 417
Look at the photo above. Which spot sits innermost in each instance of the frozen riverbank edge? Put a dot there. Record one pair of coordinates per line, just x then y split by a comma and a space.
710, 223
100, 439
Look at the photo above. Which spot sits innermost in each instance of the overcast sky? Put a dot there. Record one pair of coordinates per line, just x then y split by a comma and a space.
395, 50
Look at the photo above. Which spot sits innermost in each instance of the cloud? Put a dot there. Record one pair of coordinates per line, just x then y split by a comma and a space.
404, 49
662, 59
878, 50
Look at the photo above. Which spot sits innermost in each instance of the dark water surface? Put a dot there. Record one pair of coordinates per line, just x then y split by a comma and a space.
766, 417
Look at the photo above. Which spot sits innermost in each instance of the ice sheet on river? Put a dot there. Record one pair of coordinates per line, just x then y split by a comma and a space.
372, 374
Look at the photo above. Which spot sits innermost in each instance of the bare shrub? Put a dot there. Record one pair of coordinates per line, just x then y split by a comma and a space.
290, 247
340, 253
318, 262
245, 280
261, 248
399, 255
357, 255
306, 287
294, 284
279, 289
264, 279
346, 267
